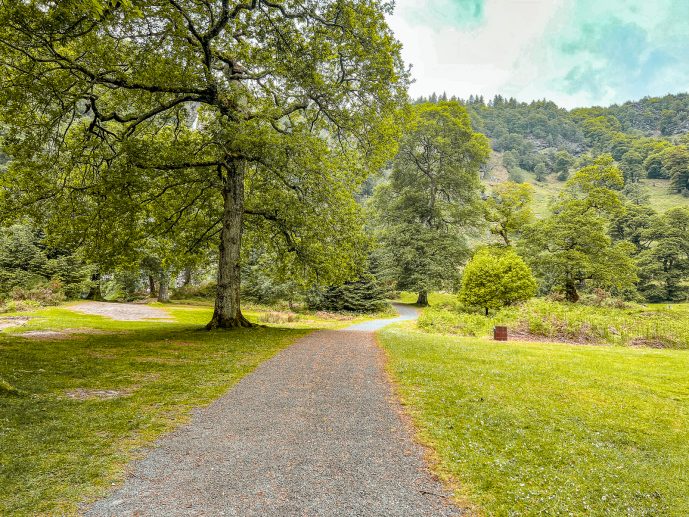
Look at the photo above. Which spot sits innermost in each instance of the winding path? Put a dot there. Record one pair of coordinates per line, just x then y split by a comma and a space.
313, 431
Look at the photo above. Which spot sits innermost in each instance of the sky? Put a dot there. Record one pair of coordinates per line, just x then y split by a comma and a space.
574, 52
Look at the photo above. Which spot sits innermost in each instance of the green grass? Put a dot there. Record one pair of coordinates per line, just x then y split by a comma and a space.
659, 325
434, 298
57, 451
528, 429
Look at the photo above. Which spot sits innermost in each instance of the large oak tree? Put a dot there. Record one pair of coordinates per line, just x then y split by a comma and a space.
198, 118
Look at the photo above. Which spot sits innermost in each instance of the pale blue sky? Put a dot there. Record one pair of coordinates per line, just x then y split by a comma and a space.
575, 52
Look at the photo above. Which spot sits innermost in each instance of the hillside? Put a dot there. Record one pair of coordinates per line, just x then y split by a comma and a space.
541, 143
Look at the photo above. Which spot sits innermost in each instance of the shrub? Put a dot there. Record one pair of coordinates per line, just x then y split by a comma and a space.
50, 293
496, 277
19, 306
27, 263
278, 317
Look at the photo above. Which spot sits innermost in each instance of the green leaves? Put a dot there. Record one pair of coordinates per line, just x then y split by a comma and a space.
572, 248
496, 277
431, 203
508, 208
125, 120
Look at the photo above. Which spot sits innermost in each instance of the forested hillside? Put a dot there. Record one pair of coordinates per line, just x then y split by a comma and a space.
542, 143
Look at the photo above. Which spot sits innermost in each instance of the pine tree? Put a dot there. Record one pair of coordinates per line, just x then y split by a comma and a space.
363, 296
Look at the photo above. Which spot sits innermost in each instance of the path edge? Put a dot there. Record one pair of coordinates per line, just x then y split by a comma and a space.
410, 420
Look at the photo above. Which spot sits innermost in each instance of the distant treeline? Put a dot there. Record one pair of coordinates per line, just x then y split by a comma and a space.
648, 138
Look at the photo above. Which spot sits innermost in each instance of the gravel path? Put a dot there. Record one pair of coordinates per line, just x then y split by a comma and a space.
121, 311
406, 313
313, 431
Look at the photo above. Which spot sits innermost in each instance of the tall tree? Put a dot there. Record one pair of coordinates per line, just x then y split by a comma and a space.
431, 203
572, 247
664, 265
676, 163
132, 117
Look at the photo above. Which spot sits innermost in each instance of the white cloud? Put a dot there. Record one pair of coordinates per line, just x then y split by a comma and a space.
479, 60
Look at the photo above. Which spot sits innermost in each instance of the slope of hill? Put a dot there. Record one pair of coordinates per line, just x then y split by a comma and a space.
542, 144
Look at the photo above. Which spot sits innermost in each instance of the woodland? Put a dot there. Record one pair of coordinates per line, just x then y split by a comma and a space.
245, 173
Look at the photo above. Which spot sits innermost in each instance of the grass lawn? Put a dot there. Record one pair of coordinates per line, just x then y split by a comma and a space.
87, 402
533, 428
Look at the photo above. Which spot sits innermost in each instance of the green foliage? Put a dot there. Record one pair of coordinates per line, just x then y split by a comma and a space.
676, 162
572, 248
508, 209
540, 171
31, 270
496, 277
431, 203
541, 138
663, 258
632, 166
264, 283
191, 122
122, 285
562, 162
601, 319
364, 295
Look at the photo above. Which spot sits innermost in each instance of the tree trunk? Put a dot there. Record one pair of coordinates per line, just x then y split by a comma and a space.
571, 293
94, 291
187, 277
486, 312
422, 299
227, 313
164, 286
151, 285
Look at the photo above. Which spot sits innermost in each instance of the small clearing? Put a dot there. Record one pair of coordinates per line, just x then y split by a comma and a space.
58, 334
12, 321
121, 311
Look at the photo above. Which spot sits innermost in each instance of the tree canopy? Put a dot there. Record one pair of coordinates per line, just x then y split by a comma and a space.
496, 277
431, 202
140, 118
572, 247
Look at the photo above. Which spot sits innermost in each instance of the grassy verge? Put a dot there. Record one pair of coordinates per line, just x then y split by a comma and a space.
658, 326
75, 408
434, 298
553, 429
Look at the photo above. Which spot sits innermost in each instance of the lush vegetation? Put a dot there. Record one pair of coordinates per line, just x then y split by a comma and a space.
597, 319
540, 144
223, 152
494, 278
165, 130
431, 202
526, 428
538, 139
